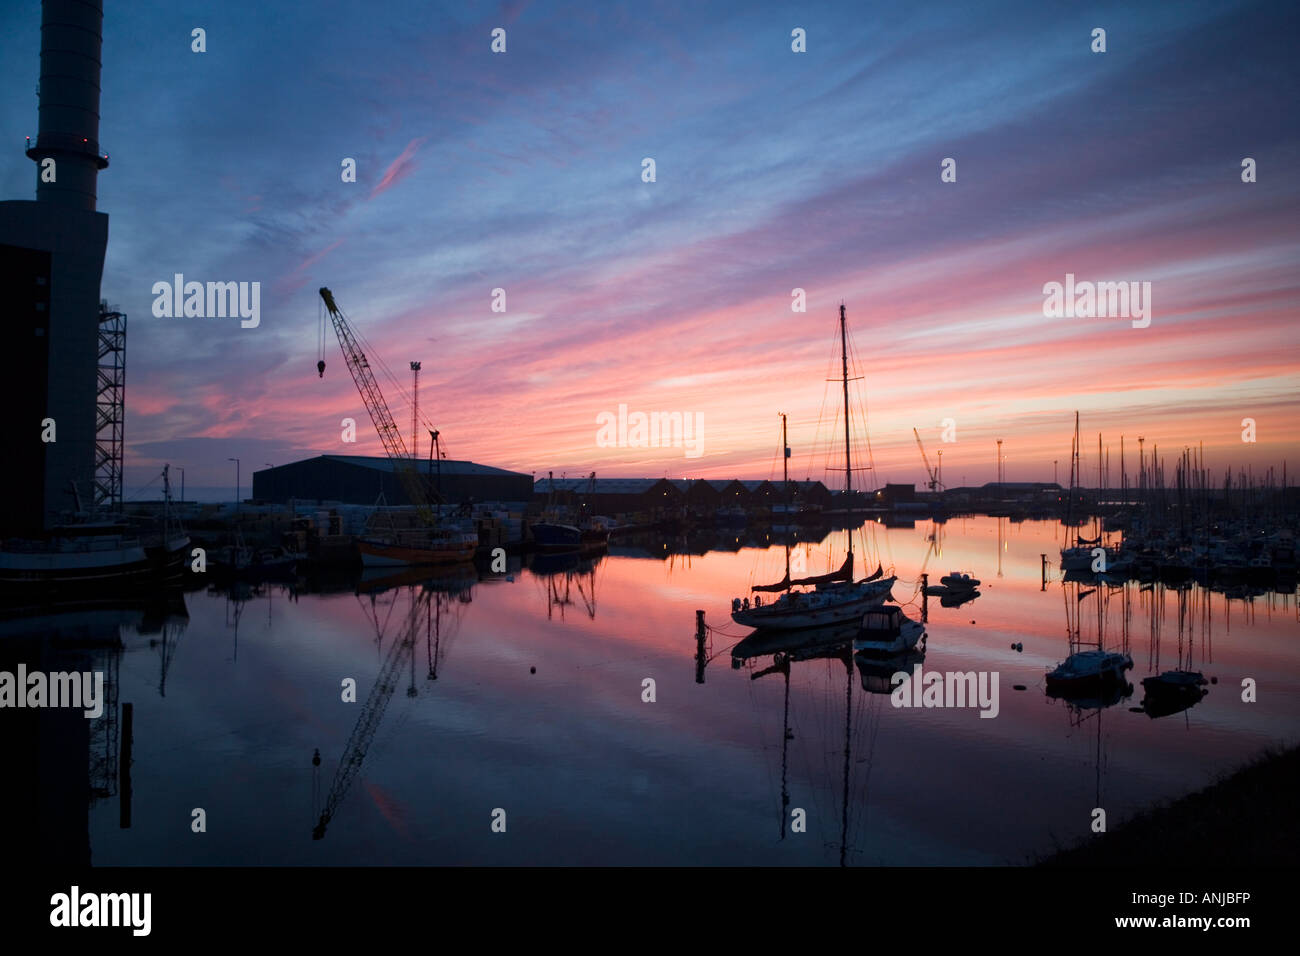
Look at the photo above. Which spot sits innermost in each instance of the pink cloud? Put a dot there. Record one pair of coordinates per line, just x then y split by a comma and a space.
399, 168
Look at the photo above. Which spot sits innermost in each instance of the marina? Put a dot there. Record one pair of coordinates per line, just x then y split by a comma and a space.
674, 489
507, 687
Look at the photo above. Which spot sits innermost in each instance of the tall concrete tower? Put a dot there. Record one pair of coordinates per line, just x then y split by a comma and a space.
51, 263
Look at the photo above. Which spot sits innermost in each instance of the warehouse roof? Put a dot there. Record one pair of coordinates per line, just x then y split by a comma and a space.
604, 486
448, 466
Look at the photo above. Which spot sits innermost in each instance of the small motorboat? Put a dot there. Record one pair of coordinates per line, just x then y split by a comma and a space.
959, 581
1172, 692
1087, 670
887, 630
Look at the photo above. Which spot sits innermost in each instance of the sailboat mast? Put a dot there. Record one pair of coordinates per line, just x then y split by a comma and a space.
844, 362
785, 473
785, 460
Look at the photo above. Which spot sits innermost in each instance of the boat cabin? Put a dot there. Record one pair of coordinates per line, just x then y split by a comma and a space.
886, 618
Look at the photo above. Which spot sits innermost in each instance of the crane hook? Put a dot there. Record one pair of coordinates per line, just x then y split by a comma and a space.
320, 368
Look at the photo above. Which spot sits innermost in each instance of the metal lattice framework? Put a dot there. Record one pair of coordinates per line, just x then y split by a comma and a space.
418, 491
110, 408
104, 733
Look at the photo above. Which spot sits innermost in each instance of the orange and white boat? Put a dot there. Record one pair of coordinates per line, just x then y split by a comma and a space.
444, 546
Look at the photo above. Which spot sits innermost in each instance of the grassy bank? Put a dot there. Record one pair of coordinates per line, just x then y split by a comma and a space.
1246, 819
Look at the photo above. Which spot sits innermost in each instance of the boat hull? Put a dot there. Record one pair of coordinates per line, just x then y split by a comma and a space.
77, 572
818, 609
565, 537
383, 554
908, 636
1087, 671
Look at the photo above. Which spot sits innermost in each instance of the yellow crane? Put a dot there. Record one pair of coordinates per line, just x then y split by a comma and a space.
934, 483
418, 490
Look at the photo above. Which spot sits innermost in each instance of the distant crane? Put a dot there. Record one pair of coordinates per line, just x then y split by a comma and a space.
418, 491
935, 482
415, 410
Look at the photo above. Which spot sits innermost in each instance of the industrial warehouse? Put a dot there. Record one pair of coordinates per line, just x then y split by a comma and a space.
360, 480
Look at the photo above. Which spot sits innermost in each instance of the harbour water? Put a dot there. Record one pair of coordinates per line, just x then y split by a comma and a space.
526, 693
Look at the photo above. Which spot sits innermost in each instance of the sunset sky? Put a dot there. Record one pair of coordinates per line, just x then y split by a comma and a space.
774, 170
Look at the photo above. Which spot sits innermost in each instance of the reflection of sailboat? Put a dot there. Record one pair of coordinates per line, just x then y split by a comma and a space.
837, 597
1094, 675
1174, 691
826, 643
1088, 699
877, 672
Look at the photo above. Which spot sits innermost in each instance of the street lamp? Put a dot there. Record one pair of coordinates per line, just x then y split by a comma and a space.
236, 461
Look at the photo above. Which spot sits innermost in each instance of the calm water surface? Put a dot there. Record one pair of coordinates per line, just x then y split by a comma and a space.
231, 704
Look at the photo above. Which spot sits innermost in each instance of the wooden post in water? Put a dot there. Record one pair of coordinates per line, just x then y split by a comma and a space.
124, 767
1044, 571
700, 660
925, 598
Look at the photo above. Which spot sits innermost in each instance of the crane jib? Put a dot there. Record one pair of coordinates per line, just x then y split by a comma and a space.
421, 496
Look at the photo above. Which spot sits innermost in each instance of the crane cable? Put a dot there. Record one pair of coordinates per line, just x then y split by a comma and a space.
375, 360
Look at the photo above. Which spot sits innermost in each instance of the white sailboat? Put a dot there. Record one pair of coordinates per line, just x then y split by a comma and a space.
836, 597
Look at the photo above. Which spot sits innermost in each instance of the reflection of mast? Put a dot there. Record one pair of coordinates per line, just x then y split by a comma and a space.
556, 600
170, 641
848, 723
830, 649
781, 663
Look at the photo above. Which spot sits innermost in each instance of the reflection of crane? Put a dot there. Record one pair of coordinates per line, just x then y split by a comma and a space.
371, 714
935, 477
417, 491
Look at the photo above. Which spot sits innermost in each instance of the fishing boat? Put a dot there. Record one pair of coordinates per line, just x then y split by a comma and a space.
85, 557
556, 536
836, 597
886, 630
76, 560
238, 560
558, 532
433, 546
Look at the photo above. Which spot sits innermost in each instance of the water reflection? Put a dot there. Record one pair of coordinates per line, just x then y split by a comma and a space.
563, 575
877, 677
515, 691
64, 764
427, 604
